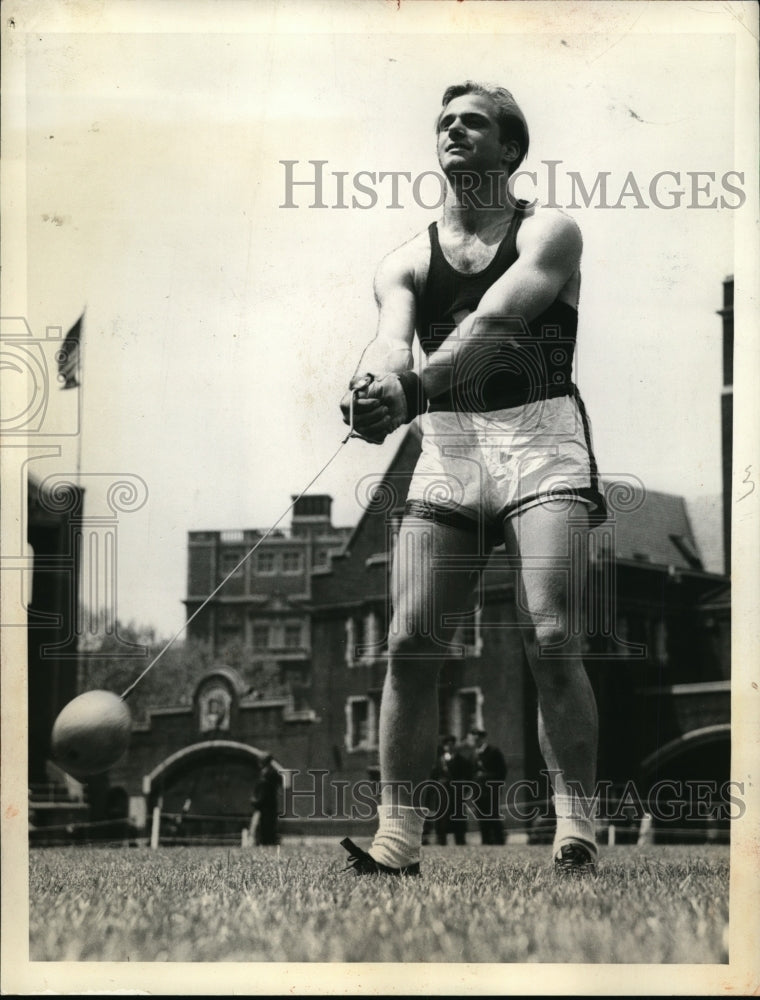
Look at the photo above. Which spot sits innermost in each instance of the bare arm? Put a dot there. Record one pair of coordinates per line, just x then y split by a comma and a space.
391, 350
549, 251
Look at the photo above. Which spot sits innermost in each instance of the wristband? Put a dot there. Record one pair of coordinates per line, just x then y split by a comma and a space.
414, 393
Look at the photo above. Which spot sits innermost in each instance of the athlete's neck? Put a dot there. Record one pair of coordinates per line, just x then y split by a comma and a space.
471, 221
476, 205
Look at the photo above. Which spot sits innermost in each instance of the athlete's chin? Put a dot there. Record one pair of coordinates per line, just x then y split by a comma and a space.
455, 159
458, 170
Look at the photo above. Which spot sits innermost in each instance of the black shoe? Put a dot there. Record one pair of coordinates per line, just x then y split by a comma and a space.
361, 863
575, 858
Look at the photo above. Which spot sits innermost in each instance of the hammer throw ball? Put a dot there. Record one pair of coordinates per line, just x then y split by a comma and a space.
91, 733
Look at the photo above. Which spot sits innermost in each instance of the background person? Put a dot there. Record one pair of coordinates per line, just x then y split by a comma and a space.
452, 771
490, 774
265, 800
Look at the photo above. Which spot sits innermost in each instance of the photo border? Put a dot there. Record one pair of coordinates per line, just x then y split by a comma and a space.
425, 18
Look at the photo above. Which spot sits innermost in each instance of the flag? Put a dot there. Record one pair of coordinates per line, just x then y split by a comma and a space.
68, 357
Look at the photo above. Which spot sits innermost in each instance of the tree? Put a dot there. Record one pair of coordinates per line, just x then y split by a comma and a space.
172, 681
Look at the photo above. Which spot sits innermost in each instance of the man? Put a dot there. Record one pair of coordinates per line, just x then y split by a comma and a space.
265, 800
492, 291
490, 772
453, 772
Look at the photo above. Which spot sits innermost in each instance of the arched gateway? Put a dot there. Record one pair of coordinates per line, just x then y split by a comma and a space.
204, 790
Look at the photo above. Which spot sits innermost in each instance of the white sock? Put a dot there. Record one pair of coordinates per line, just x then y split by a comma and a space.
576, 820
399, 835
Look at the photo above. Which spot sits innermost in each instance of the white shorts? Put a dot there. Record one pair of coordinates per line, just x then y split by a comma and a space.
483, 468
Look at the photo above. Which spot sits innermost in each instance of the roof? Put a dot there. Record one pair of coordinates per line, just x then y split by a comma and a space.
648, 526
652, 527
706, 515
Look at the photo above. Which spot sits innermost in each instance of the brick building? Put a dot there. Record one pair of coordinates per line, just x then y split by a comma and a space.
53, 537
312, 602
264, 604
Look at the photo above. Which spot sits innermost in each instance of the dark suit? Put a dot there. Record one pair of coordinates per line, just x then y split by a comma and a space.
490, 772
451, 769
265, 801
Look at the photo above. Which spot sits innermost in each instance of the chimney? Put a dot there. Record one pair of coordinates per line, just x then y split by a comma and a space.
311, 513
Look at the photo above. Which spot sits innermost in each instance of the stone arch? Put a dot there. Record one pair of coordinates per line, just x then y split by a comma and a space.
684, 744
686, 784
205, 790
227, 674
200, 749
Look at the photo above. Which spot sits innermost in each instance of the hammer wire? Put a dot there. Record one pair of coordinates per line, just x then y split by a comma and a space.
247, 556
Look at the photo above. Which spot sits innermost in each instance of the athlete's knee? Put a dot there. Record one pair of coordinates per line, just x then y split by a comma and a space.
548, 639
412, 646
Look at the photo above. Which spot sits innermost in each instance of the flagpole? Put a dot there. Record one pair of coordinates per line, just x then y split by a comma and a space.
80, 387
69, 360
79, 622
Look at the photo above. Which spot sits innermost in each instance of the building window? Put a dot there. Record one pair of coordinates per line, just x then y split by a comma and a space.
350, 642
265, 562
375, 697
230, 617
372, 638
229, 564
260, 634
292, 636
466, 711
230, 625
361, 722
292, 562
468, 638
321, 559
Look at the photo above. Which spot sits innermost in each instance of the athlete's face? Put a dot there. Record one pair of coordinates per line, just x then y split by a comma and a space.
469, 139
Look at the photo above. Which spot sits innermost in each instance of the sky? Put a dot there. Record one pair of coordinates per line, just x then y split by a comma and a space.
221, 328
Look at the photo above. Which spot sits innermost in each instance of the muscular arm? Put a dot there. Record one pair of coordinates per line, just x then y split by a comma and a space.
391, 350
549, 248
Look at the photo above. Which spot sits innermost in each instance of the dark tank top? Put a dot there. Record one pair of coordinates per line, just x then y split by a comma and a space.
535, 362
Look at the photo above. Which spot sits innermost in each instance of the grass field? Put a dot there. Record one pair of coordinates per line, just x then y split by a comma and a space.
294, 903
